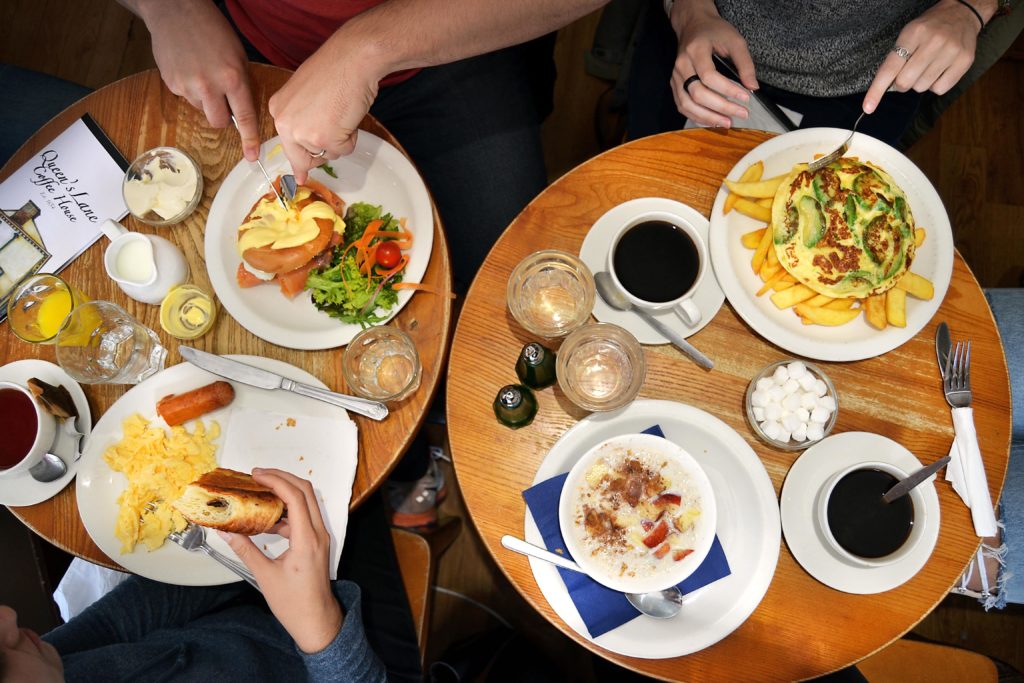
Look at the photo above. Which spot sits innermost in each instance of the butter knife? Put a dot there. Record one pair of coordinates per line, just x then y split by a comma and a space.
264, 379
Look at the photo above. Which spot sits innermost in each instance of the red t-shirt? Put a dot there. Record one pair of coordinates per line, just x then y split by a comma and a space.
287, 32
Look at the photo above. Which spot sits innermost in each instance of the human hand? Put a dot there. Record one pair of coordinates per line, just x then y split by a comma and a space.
702, 32
201, 59
296, 584
940, 43
322, 104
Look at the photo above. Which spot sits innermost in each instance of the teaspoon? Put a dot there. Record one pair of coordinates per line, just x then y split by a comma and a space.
658, 604
50, 468
903, 487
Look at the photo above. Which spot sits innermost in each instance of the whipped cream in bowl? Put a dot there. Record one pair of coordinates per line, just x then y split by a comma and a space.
637, 513
162, 186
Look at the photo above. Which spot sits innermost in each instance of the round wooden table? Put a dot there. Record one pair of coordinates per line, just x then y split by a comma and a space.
802, 628
138, 113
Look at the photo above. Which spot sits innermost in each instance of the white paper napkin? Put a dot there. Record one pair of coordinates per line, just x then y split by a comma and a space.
320, 449
966, 471
83, 584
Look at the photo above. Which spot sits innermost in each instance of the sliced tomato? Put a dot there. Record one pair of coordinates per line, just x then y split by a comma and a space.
667, 499
662, 551
680, 554
247, 279
657, 535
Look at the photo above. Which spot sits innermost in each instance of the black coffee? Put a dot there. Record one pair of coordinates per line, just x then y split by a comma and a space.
656, 261
862, 523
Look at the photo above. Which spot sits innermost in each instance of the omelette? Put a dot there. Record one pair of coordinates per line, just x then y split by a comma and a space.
845, 231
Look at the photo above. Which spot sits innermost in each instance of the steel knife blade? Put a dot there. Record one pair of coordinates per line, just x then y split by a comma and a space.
232, 369
942, 346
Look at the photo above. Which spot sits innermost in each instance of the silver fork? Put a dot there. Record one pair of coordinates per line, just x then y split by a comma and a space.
956, 381
824, 161
193, 537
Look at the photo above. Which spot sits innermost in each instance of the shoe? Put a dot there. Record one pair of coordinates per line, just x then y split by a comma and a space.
413, 504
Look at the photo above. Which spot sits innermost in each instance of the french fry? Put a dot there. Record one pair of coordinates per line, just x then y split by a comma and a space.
752, 239
768, 271
840, 304
783, 284
766, 201
831, 317
757, 190
792, 296
769, 283
819, 300
772, 257
753, 173
762, 251
896, 307
919, 235
916, 286
751, 208
874, 311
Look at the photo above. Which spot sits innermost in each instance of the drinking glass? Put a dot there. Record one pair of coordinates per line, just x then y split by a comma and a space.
38, 306
600, 367
551, 293
100, 343
381, 363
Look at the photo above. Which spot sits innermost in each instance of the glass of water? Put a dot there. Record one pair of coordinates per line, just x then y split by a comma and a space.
550, 293
100, 343
600, 366
381, 363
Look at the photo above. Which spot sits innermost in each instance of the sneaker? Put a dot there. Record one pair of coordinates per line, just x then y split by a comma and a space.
414, 504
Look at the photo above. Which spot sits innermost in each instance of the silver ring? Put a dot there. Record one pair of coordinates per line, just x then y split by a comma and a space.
319, 155
901, 52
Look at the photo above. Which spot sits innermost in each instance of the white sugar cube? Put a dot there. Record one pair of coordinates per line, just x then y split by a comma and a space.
772, 411
783, 435
808, 400
827, 402
759, 398
803, 414
791, 386
758, 413
790, 422
815, 431
781, 375
775, 394
771, 429
820, 415
806, 381
820, 388
765, 383
796, 369
791, 402
800, 433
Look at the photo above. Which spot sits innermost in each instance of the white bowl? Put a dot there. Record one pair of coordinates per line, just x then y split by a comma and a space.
705, 525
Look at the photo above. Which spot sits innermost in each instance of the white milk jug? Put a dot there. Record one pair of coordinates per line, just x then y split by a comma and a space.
145, 267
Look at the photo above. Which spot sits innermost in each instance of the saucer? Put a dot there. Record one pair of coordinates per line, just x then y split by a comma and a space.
799, 519
594, 252
22, 489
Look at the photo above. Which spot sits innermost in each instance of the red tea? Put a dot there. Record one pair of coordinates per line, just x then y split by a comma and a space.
18, 427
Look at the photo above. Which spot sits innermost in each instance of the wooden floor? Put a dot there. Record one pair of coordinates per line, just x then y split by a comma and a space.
974, 156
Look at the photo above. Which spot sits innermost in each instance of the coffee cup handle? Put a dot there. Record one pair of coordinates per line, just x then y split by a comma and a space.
688, 312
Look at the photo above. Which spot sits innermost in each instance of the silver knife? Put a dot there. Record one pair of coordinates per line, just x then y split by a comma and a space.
942, 345
264, 379
265, 174
913, 479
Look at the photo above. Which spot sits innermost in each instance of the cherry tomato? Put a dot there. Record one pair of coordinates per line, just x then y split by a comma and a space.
388, 255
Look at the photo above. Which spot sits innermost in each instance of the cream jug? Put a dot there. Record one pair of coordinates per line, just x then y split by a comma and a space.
145, 267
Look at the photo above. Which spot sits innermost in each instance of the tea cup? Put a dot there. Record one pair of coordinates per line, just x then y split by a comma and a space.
27, 431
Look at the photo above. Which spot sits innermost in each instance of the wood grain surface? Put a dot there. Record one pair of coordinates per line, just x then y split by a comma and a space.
802, 628
138, 113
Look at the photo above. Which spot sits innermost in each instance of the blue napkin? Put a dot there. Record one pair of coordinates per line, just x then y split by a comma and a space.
602, 608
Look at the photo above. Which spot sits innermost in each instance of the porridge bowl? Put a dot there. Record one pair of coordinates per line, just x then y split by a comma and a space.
637, 513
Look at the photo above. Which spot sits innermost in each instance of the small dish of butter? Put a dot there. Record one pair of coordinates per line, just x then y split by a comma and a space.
163, 186
187, 312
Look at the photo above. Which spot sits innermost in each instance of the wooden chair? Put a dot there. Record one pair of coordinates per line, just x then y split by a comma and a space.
418, 555
914, 661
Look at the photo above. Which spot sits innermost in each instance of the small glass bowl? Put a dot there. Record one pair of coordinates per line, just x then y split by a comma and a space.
381, 363
551, 293
600, 367
170, 159
790, 445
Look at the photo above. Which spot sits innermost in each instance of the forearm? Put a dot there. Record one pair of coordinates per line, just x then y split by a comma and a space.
685, 12
151, 10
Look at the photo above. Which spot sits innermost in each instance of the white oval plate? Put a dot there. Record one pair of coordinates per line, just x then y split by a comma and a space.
748, 528
331, 473
376, 173
804, 536
856, 340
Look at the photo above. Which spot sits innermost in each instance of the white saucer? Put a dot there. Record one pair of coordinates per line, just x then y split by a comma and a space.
594, 253
799, 521
748, 528
22, 489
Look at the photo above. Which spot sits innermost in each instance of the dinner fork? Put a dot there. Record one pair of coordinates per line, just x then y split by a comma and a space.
193, 537
824, 161
956, 380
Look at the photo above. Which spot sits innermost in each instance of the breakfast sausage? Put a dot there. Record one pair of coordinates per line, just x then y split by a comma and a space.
178, 409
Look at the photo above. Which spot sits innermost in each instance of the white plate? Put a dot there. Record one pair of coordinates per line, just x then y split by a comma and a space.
376, 173
594, 252
332, 470
23, 489
748, 527
855, 340
803, 535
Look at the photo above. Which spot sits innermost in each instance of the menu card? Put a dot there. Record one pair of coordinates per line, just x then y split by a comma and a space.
52, 207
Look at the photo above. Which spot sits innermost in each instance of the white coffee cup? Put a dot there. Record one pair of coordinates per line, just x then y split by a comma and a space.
46, 430
683, 304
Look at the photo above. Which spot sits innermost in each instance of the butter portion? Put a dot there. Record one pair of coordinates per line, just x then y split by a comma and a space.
161, 189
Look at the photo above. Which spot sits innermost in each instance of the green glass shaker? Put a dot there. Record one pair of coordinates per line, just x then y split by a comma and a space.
515, 406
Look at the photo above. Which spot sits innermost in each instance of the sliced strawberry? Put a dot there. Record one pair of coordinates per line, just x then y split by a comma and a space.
680, 554
246, 278
657, 536
667, 499
662, 551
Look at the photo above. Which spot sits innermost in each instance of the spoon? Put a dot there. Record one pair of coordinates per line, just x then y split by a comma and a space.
50, 468
658, 604
611, 295
903, 487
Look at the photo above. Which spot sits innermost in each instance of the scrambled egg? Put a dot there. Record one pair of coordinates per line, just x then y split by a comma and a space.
159, 467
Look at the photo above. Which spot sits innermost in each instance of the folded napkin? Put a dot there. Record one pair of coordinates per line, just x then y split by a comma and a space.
967, 472
602, 608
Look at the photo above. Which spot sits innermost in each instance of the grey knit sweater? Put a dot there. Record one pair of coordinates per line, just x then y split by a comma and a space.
822, 48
